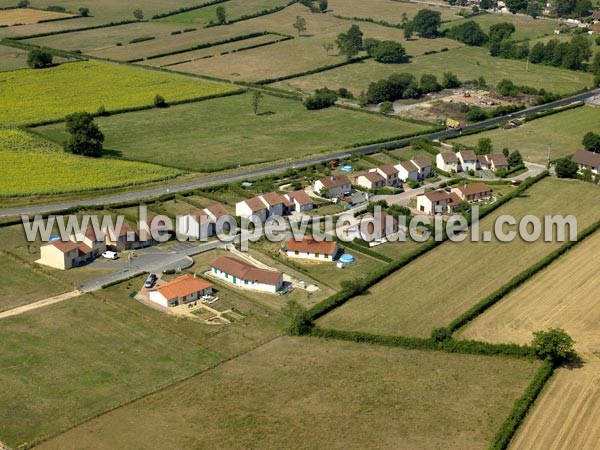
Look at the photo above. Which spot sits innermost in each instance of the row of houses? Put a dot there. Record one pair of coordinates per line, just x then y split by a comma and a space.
445, 201
466, 160
270, 204
390, 175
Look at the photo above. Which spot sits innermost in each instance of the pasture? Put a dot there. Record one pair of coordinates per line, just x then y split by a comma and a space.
442, 284
468, 63
67, 362
51, 94
33, 166
24, 16
224, 133
562, 131
12, 58
234, 9
564, 295
525, 27
385, 10
24, 285
293, 390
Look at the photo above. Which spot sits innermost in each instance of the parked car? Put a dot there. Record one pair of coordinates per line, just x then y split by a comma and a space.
110, 255
150, 281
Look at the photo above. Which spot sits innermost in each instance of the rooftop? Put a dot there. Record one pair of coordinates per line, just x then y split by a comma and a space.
244, 271
183, 286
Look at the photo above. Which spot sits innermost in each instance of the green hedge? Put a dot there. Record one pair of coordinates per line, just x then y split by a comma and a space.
367, 251
242, 37
187, 9
313, 71
518, 280
522, 405
415, 343
74, 30
549, 112
264, 12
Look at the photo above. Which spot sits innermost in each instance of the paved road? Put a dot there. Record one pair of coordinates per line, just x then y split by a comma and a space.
227, 178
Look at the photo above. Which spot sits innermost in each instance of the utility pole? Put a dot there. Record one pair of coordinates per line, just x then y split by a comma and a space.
549, 152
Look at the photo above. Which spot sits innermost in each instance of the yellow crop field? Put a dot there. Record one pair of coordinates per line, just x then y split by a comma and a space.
34, 96
24, 16
34, 167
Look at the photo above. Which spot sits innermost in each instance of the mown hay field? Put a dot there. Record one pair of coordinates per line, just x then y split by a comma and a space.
562, 131
234, 9
52, 94
468, 63
224, 133
564, 295
436, 288
385, 10
23, 16
525, 27
32, 166
294, 390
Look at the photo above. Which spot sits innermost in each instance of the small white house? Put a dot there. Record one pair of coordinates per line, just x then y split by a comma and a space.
179, 291
389, 172
309, 248
437, 202
371, 180
407, 171
301, 200
447, 161
587, 160
335, 186
246, 276
252, 207
468, 160
497, 162
274, 202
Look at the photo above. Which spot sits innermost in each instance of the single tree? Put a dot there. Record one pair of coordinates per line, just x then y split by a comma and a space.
505, 152
221, 15
299, 321
404, 19
23, 4
159, 101
38, 59
515, 159
356, 36
450, 81
427, 23
389, 52
300, 24
138, 14
591, 142
84, 12
408, 31
85, 137
323, 5
257, 98
328, 46
429, 83
386, 108
346, 46
484, 146
565, 168
554, 345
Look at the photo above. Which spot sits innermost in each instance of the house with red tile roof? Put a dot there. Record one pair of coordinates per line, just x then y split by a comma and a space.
179, 291
310, 248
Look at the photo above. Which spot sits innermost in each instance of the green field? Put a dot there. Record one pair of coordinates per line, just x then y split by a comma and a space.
308, 393
12, 58
33, 166
563, 132
437, 287
468, 63
224, 133
21, 285
525, 27
51, 94
234, 9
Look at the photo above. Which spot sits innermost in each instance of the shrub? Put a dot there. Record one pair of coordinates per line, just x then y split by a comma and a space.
141, 39
299, 321
389, 52
322, 98
160, 102
565, 168
38, 59
386, 108
56, 9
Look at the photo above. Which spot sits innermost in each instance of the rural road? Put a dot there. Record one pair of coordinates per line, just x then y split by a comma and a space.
39, 304
227, 178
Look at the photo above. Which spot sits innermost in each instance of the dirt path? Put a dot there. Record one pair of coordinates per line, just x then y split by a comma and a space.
39, 304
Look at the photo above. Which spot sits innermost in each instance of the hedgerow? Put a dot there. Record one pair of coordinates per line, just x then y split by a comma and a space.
187, 9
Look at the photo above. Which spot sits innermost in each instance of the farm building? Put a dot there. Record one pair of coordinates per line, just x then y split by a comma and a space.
333, 187
309, 248
246, 276
181, 290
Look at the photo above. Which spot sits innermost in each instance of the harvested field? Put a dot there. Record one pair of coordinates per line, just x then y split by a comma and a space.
386, 10
468, 63
562, 131
409, 302
24, 16
234, 9
306, 390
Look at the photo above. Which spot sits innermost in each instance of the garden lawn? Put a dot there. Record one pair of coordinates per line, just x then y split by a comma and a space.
68, 362
468, 63
304, 392
224, 133
563, 132
437, 287
51, 94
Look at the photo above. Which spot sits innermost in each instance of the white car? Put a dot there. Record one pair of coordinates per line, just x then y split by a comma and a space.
110, 255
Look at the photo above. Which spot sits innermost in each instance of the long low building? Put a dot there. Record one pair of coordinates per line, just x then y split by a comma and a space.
246, 276
587, 160
179, 291
310, 248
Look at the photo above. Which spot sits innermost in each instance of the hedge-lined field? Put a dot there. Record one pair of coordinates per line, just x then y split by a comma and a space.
23, 16
437, 287
563, 131
51, 94
33, 166
468, 63
312, 391
233, 8
224, 133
